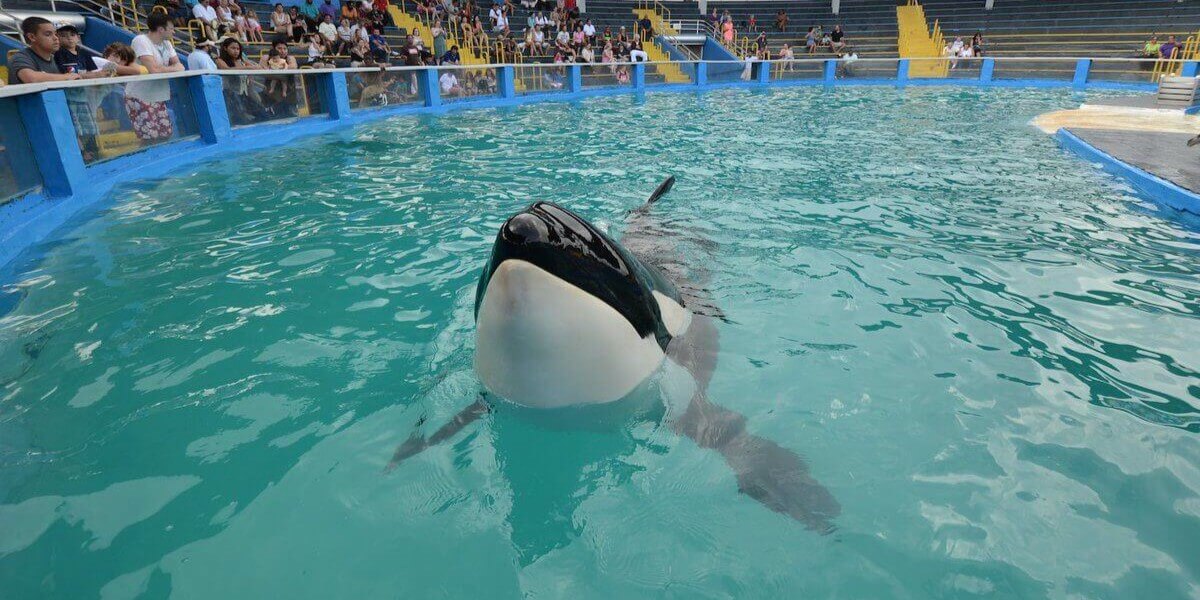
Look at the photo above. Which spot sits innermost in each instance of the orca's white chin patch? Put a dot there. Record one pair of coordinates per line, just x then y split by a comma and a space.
544, 343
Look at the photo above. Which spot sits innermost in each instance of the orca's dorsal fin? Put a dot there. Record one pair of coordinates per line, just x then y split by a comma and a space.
662, 189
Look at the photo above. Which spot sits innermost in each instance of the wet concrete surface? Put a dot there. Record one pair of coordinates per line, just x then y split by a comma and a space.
1164, 154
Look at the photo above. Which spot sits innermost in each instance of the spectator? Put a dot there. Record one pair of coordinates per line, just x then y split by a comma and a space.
439, 38
607, 55
1151, 48
327, 8
837, 39
499, 20
646, 28
622, 36
977, 43
242, 98
752, 23
225, 20
125, 61
578, 37
781, 20
587, 55
72, 58
760, 44
200, 59
253, 28
310, 12
318, 48
280, 97
299, 25
608, 34
349, 12
636, 54
449, 84
281, 23
589, 30
146, 101
329, 32
1169, 49
345, 33
451, 57
379, 47
786, 56
204, 12
727, 32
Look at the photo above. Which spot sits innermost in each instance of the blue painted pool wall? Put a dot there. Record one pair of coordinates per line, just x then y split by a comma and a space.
71, 186
1160, 190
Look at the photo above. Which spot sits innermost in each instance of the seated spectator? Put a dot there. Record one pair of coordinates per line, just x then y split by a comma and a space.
578, 37
281, 22
349, 12
448, 83
608, 34
977, 44
279, 96
837, 39
528, 4
200, 59
205, 12
786, 56
329, 32
225, 21
345, 34
1169, 49
607, 55
810, 40
451, 57
146, 101
309, 12
636, 54
587, 55
299, 25
328, 9
622, 36
380, 49
253, 28
781, 20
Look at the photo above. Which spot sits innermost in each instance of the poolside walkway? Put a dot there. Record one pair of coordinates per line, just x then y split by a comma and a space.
1163, 154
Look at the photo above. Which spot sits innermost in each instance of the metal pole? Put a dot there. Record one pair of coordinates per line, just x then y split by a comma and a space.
835, 6
988, 4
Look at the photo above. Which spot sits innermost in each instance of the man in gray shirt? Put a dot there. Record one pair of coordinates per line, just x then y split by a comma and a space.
35, 63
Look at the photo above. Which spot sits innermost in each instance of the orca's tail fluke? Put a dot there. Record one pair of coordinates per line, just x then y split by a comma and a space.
662, 189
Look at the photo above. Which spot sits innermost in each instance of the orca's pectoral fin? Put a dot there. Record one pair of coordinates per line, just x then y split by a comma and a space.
416, 443
766, 471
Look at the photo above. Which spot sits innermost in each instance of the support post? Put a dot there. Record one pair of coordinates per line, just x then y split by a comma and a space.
334, 95
986, 69
701, 73
902, 71
208, 101
1081, 73
835, 6
47, 122
830, 70
574, 78
1191, 68
429, 86
639, 76
506, 82
764, 71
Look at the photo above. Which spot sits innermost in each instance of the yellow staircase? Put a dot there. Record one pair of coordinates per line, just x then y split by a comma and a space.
670, 71
1172, 67
409, 23
917, 41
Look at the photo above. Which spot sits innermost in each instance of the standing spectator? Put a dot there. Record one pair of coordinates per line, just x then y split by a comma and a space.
1169, 49
977, 43
281, 22
146, 101
71, 58
760, 44
439, 38
752, 23
647, 29
327, 8
204, 12
810, 40
200, 59
242, 98
781, 20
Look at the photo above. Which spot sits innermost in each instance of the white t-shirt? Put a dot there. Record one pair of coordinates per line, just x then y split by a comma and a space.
204, 12
589, 30
448, 81
496, 14
199, 60
151, 91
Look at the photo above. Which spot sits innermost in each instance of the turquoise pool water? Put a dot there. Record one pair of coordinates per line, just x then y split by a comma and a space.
984, 348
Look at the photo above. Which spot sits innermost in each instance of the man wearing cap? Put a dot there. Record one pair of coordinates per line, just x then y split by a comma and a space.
201, 58
35, 62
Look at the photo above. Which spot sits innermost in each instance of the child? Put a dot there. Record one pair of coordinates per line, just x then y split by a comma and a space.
253, 28
276, 62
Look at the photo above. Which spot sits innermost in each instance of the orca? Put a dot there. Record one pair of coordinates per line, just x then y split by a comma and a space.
567, 316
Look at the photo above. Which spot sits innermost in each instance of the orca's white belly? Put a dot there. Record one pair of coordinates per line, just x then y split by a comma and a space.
544, 343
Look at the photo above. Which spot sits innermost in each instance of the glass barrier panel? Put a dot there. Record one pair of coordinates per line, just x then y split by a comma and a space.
726, 72
944, 68
255, 98
1061, 70
1141, 71
607, 75
660, 73
376, 89
862, 68
787, 70
115, 119
540, 79
456, 85
19, 172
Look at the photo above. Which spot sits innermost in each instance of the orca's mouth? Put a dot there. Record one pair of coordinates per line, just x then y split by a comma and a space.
568, 247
